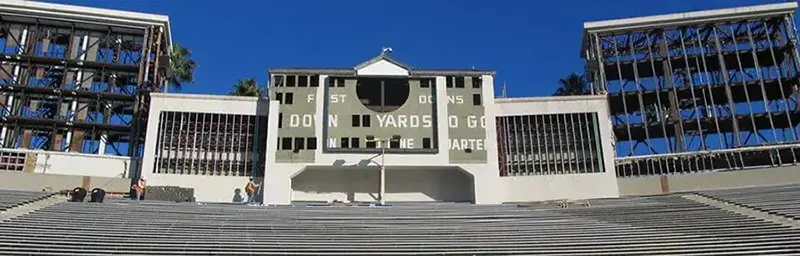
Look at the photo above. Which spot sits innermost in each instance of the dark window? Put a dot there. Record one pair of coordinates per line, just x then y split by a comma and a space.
280, 120
371, 142
340, 82
299, 143
382, 94
394, 143
460, 82
365, 121
289, 99
311, 143
278, 80
425, 83
355, 143
302, 81
356, 120
344, 142
476, 82
449, 83
286, 143
331, 82
315, 81
290, 81
476, 99
279, 97
426, 142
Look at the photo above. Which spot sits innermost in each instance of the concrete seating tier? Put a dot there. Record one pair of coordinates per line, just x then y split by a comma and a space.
779, 200
663, 225
13, 198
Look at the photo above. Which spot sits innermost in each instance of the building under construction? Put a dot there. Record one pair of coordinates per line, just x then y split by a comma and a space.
76, 78
699, 91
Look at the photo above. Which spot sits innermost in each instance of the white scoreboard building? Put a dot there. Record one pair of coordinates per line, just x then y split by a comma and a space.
325, 133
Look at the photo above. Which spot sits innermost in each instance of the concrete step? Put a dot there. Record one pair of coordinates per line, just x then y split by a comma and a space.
744, 249
29, 207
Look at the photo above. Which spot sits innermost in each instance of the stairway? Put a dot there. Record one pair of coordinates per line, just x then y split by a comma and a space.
659, 225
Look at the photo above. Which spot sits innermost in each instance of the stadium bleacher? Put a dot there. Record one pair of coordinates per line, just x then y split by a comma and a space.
659, 225
12, 198
779, 200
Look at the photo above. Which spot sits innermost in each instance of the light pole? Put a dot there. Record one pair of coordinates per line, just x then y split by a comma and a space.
384, 144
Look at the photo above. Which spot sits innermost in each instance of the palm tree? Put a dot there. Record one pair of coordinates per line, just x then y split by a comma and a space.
181, 67
572, 84
246, 87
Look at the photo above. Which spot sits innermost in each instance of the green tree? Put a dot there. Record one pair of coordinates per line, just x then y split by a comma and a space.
246, 87
181, 67
572, 84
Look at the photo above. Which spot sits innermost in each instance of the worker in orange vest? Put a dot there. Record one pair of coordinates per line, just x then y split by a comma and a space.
139, 188
252, 189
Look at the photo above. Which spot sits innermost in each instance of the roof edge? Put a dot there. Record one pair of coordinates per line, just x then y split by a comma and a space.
684, 18
75, 11
549, 98
158, 95
381, 57
690, 17
352, 72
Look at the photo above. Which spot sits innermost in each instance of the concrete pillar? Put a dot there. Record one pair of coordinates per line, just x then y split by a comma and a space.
278, 185
488, 187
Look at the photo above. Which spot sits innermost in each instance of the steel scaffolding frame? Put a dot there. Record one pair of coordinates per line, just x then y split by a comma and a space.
77, 85
704, 95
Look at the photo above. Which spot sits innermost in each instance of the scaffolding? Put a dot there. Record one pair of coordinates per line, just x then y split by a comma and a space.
77, 79
700, 91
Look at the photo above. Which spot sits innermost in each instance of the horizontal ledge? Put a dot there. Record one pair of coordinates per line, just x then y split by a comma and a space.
623, 160
677, 19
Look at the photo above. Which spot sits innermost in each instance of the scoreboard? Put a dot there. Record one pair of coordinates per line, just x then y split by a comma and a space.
357, 113
379, 108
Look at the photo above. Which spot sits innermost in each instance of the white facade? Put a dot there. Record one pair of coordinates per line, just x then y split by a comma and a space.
207, 188
563, 186
409, 177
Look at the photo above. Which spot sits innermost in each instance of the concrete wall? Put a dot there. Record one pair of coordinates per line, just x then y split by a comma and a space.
410, 177
555, 187
207, 188
709, 181
60, 170
640, 186
565, 186
54, 182
77, 164
487, 186
362, 184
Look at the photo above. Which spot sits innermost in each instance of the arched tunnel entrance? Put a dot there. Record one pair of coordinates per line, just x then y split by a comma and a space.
403, 184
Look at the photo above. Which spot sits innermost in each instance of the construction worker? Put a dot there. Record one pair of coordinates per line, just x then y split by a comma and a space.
139, 188
252, 189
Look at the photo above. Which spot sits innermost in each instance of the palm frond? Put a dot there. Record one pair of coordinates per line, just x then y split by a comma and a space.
572, 84
246, 87
181, 67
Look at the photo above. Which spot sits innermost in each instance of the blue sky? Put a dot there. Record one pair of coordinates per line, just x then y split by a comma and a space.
531, 44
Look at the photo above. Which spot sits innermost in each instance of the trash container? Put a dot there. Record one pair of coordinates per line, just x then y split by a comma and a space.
78, 194
97, 195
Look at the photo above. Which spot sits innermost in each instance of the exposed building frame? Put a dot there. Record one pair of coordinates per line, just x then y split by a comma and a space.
699, 91
77, 79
